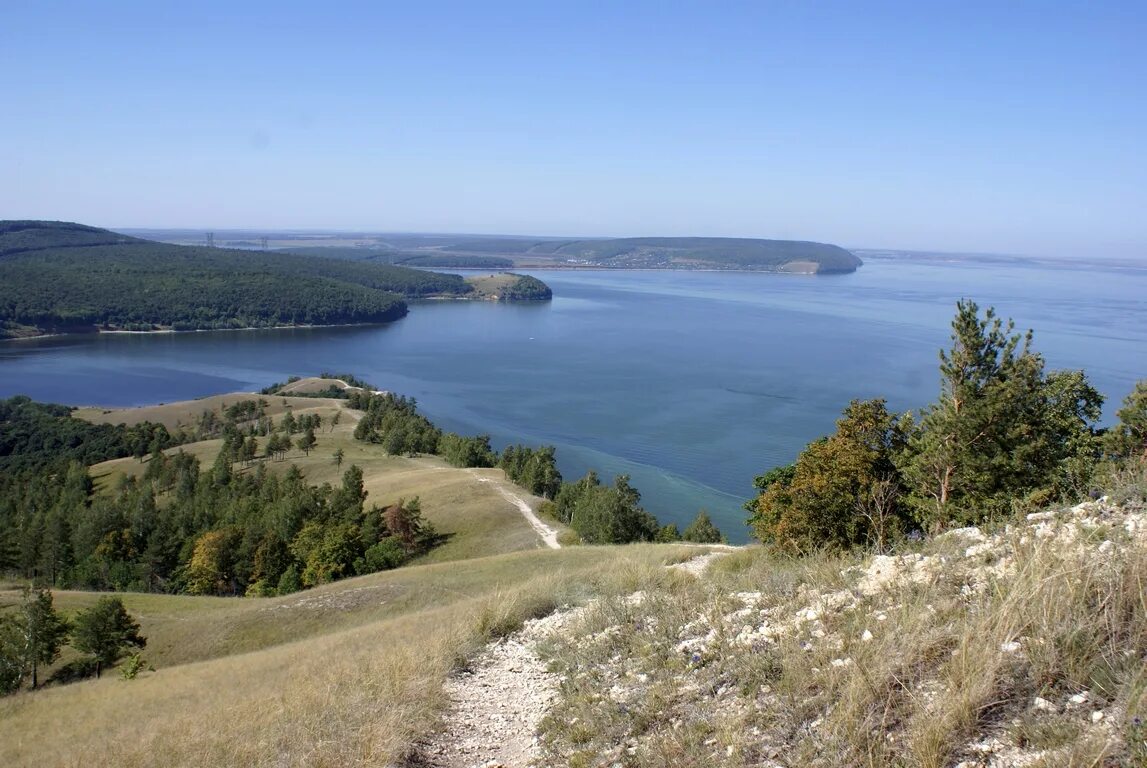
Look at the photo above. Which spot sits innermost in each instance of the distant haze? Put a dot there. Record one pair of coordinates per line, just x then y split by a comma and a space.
1006, 128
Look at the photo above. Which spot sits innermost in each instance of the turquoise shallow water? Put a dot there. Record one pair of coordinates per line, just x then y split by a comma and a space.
690, 382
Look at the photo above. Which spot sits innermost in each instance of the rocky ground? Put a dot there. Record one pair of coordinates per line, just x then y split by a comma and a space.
498, 701
784, 675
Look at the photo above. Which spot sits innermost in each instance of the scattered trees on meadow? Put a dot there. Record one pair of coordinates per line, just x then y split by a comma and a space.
599, 514
33, 633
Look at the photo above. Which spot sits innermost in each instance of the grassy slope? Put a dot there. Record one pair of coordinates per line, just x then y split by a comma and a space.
1019, 648
343, 674
359, 682
910, 660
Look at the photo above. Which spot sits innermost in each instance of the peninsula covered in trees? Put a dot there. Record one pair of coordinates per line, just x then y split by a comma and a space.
505, 252
673, 253
58, 277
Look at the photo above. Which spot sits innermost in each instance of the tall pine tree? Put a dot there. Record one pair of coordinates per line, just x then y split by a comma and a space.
1001, 430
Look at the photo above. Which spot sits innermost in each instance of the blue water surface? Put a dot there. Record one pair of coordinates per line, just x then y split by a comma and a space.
690, 382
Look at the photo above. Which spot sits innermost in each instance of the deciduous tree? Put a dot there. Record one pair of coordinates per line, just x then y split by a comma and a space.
820, 500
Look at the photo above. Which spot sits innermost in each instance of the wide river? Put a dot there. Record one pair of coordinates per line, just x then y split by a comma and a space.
690, 382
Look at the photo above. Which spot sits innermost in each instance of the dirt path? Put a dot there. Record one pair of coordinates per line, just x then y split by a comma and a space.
699, 564
498, 703
548, 534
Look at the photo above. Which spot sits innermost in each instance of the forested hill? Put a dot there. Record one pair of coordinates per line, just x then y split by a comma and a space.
674, 253
58, 276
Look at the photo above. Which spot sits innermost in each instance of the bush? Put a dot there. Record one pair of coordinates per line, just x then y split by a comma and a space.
132, 667
290, 581
386, 554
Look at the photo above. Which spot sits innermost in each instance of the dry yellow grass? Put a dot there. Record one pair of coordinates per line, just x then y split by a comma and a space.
311, 384
341, 697
187, 412
493, 284
1026, 649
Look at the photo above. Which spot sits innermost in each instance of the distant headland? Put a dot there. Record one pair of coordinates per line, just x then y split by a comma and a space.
437, 251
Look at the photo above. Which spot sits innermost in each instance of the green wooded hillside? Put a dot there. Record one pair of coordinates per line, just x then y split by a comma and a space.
675, 252
59, 276
432, 259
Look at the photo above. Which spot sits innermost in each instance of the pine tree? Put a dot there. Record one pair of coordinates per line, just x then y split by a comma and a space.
307, 441
1128, 438
35, 634
1000, 431
105, 630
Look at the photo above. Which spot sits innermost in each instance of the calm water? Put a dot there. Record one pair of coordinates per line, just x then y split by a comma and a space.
690, 382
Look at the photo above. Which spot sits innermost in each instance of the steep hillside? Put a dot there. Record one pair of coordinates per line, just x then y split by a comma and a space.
1021, 647
432, 259
981, 649
463, 251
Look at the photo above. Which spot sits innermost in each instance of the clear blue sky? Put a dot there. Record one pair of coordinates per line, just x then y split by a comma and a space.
1014, 127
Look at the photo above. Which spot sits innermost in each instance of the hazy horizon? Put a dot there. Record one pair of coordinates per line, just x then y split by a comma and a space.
366, 232
1011, 129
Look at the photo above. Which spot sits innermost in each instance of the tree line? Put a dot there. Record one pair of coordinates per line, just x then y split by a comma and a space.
1005, 436
177, 528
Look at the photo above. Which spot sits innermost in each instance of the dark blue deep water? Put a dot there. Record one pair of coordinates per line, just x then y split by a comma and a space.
691, 382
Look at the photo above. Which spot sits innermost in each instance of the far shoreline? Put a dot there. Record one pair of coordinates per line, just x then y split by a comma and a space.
429, 299
599, 268
158, 331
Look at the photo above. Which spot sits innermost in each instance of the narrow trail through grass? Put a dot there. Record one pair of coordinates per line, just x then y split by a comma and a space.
548, 534
498, 702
